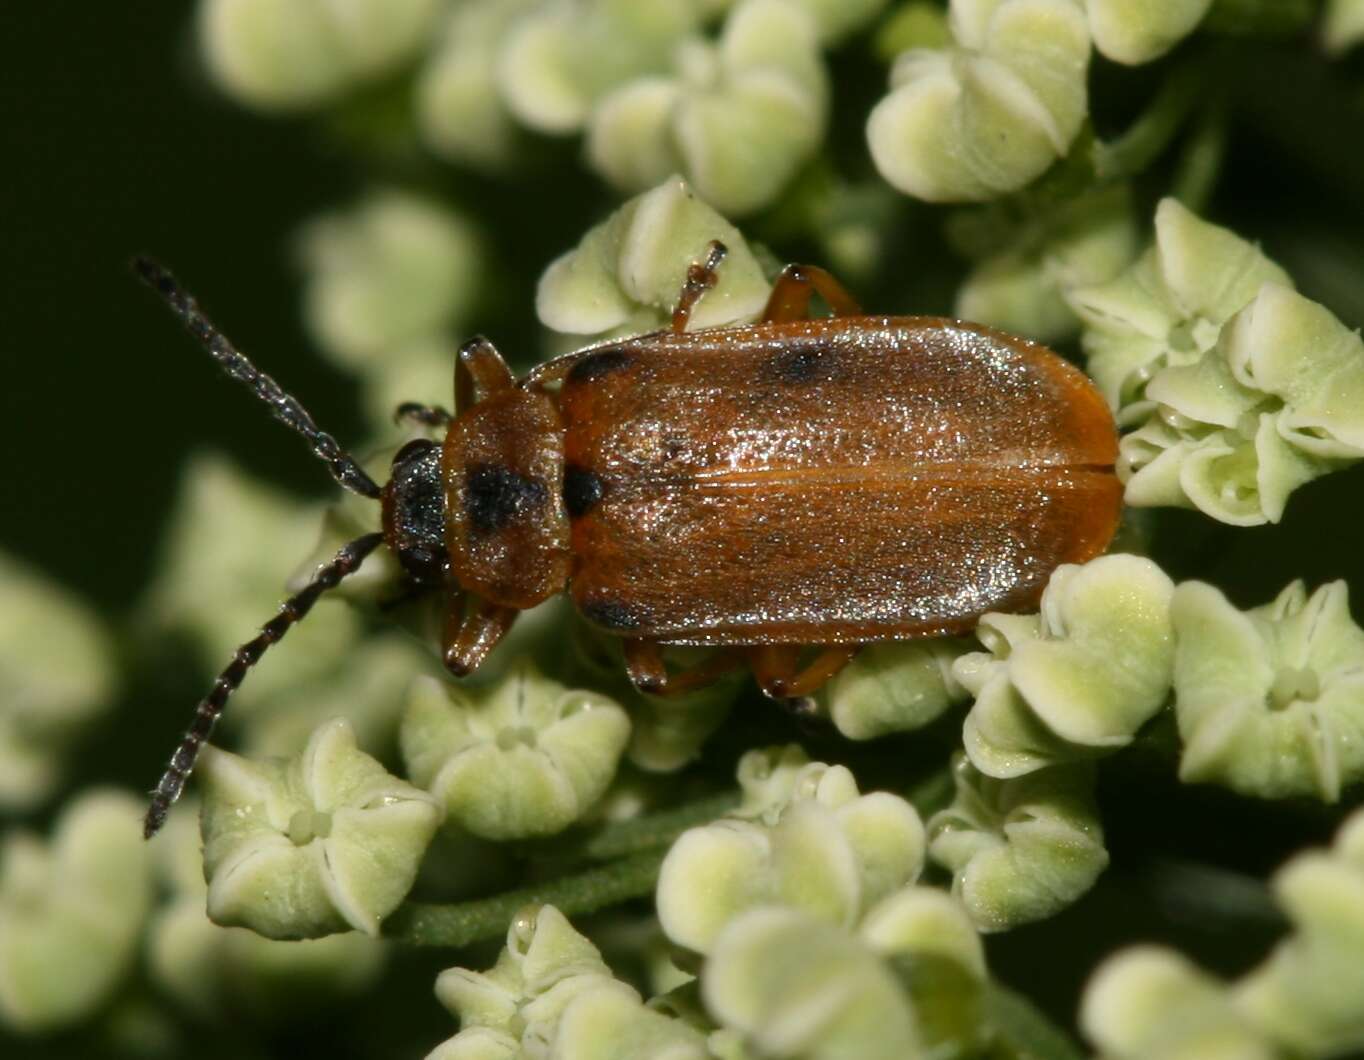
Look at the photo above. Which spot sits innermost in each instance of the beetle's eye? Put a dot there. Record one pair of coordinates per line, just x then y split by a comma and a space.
424, 564
418, 447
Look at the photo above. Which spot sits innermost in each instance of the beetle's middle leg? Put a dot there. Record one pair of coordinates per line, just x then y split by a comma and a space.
472, 631
700, 279
790, 297
649, 673
777, 669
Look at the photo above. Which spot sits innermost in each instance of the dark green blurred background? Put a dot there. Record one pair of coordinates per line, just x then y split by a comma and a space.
115, 146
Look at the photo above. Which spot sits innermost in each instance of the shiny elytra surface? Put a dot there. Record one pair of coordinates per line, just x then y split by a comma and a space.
828, 481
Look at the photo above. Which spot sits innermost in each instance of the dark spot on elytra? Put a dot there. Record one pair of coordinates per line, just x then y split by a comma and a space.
596, 365
582, 490
802, 364
495, 496
611, 615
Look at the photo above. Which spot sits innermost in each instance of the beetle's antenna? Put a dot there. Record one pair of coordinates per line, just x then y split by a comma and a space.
210, 708
283, 405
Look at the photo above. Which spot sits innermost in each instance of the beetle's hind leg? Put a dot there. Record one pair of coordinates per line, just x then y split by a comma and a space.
777, 669
649, 673
700, 279
790, 297
426, 415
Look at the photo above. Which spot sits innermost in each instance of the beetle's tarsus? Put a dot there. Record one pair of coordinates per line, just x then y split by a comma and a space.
649, 673
426, 415
455, 666
805, 713
701, 277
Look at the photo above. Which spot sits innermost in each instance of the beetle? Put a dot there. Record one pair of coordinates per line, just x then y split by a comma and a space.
801, 482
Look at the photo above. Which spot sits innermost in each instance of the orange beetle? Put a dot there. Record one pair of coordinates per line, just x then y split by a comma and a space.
762, 488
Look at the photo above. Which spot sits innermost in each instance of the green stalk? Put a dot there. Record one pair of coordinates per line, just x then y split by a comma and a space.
1148, 136
633, 850
638, 834
932, 793
1244, 18
1200, 162
460, 923
1023, 1033
1213, 897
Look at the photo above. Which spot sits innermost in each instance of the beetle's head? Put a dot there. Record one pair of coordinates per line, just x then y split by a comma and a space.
414, 512
506, 530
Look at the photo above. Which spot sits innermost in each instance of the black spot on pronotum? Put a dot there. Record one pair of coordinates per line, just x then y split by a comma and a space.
495, 496
611, 615
582, 490
596, 365
802, 364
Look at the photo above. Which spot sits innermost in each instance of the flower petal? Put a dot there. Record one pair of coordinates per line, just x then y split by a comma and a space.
709, 875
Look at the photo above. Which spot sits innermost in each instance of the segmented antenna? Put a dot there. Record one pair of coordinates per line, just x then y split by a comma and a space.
210, 708
283, 405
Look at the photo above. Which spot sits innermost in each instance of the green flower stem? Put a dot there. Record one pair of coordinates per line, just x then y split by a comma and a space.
1259, 17
932, 793
611, 840
1070, 176
1214, 898
1023, 1033
1200, 161
458, 924
640, 834
917, 24
1148, 136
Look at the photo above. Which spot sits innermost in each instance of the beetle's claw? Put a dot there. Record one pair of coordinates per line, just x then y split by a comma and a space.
456, 666
774, 688
805, 713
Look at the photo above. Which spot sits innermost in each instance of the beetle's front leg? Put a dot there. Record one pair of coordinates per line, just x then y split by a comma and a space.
700, 279
472, 632
649, 673
790, 297
426, 415
776, 668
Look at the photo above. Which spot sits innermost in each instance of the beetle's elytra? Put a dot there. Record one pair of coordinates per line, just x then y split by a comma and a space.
799, 482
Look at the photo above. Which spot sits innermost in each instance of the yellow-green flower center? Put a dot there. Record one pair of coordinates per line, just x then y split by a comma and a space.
511, 735
1294, 685
307, 825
